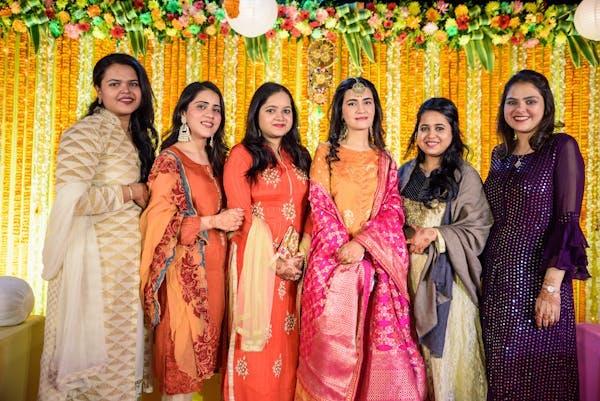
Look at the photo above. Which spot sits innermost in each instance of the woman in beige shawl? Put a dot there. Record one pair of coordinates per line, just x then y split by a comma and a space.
448, 221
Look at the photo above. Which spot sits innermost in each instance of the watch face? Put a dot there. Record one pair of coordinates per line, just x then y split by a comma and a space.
550, 288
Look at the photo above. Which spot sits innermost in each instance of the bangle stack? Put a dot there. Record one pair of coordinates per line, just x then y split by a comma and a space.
130, 192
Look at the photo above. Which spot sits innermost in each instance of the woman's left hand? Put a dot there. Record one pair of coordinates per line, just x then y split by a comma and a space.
547, 309
351, 252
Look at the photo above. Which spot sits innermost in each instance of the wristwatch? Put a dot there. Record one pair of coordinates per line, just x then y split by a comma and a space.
550, 288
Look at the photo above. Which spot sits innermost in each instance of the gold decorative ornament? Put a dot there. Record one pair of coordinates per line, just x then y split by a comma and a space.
321, 55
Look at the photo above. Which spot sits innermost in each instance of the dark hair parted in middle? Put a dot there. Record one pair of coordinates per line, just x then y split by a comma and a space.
217, 153
336, 121
443, 182
546, 127
262, 155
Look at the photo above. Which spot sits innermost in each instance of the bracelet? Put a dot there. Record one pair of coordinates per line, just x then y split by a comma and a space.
130, 192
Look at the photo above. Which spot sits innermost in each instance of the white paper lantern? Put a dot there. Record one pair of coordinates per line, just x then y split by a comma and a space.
255, 18
587, 19
16, 300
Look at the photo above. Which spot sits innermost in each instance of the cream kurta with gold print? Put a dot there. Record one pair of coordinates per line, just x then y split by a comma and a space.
96, 150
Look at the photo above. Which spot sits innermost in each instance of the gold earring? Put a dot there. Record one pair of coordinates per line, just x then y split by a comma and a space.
184, 131
344, 132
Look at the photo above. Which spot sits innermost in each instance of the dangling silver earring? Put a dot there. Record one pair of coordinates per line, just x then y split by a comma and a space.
184, 131
211, 141
99, 101
371, 136
344, 132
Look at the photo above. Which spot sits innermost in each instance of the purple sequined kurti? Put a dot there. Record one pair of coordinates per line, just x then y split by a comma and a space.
536, 205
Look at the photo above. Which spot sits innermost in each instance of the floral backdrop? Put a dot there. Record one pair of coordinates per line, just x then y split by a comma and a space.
413, 51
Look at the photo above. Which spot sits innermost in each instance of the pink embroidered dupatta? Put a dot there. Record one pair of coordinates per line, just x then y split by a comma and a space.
355, 338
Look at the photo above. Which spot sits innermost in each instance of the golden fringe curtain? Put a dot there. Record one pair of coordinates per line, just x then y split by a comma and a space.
42, 94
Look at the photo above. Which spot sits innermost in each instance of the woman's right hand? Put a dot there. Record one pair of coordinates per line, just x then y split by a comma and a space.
228, 219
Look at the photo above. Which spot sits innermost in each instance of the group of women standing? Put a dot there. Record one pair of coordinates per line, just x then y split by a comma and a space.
348, 278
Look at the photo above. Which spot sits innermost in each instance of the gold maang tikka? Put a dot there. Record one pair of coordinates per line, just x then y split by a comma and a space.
358, 87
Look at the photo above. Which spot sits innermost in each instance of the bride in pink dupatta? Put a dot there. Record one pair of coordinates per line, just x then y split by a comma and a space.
355, 339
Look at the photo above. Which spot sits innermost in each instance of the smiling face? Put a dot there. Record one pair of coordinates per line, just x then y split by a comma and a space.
275, 117
358, 110
524, 108
120, 92
434, 134
204, 114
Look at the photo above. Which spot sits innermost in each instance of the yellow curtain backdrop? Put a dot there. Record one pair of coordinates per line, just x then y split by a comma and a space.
42, 93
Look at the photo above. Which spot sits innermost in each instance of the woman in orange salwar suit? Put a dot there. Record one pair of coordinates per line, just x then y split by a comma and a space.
356, 342
184, 244
267, 176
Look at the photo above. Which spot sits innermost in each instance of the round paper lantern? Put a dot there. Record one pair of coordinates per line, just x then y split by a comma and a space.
587, 19
255, 18
16, 300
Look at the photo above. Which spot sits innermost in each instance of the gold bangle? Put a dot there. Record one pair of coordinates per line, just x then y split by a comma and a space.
130, 192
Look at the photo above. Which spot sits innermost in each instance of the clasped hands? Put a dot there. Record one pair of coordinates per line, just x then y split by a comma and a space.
421, 239
351, 252
290, 267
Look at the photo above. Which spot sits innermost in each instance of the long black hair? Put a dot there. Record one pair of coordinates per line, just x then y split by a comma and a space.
443, 183
141, 124
262, 155
218, 151
336, 120
546, 127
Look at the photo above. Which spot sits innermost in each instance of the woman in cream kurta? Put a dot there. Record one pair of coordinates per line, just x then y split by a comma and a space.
105, 157
94, 342
443, 201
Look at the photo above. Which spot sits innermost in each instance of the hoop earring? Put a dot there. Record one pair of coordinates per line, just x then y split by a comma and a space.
344, 132
184, 131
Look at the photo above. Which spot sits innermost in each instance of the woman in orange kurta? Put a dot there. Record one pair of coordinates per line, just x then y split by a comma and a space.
267, 176
356, 343
184, 244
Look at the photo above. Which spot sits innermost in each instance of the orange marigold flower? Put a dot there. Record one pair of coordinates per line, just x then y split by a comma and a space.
5, 12
176, 24
413, 22
19, 26
441, 36
155, 14
495, 22
93, 11
514, 22
432, 15
160, 25
64, 16
461, 11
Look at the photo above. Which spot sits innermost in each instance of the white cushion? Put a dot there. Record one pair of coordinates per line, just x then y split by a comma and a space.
16, 300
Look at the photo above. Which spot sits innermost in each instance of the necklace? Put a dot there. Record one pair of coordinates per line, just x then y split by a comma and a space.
518, 162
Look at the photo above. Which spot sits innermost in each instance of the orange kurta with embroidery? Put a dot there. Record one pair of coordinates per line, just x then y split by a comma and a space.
353, 182
279, 197
191, 296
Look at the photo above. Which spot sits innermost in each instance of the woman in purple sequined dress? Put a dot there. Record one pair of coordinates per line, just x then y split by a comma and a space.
535, 248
